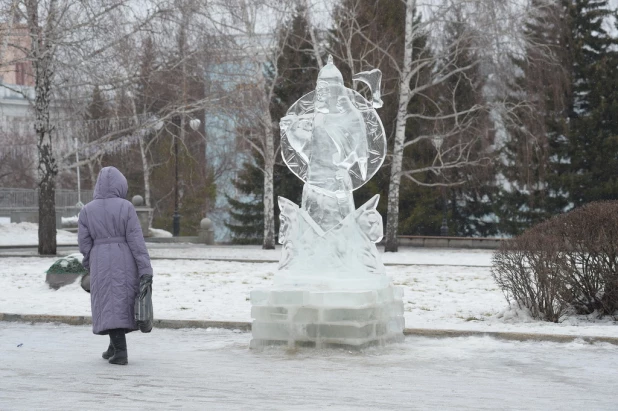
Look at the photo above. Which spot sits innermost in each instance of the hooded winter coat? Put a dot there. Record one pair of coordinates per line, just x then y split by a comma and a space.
115, 254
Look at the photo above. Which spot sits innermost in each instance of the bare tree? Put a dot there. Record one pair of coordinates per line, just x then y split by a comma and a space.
420, 60
94, 46
180, 83
307, 6
253, 26
66, 36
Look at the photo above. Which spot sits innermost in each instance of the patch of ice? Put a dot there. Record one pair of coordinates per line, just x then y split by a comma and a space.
473, 373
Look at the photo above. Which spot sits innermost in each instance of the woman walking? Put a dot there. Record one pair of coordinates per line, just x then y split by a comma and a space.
115, 254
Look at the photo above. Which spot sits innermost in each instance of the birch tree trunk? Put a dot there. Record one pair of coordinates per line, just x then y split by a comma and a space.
93, 175
42, 59
269, 194
143, 154
314, 40
146, 169
269, 168
265, 147
392, 214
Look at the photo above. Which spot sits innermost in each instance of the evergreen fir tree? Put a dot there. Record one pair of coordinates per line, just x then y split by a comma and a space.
564, 153
248, 215
540, 78
469, 200
591, 150
96, 113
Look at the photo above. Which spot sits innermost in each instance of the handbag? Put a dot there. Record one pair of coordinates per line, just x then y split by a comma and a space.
143, 305
85, 282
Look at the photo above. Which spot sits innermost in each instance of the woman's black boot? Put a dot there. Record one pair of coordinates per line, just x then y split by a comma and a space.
110, 351
119, 342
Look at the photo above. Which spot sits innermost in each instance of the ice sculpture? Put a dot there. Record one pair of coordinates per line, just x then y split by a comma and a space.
331, 288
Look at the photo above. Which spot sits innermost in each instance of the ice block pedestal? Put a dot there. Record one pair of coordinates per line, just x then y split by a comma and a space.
322, 319
331, 288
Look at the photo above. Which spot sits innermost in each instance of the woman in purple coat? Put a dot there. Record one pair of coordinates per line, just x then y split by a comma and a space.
115, 254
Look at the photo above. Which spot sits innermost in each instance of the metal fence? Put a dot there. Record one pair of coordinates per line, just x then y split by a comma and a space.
26, 198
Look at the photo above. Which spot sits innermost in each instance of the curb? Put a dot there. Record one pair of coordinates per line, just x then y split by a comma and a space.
27, 246
509, 336
246, 326
86, 320
245, 260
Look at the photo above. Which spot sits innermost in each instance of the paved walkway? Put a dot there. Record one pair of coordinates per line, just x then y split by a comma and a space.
58, 367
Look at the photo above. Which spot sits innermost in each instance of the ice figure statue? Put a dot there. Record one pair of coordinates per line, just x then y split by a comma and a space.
331, 288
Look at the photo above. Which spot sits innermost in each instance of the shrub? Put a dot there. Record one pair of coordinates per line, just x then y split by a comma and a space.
527, 269
71, 264
566, 264
65, 271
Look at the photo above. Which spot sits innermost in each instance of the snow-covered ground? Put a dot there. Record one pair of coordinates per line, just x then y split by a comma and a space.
19, 234
452, 296
59, 368
27, 234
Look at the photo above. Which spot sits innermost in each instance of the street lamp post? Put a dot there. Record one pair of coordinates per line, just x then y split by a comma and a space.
194, 124
79, 204
444, 228
437, 141
79, 190
176, 216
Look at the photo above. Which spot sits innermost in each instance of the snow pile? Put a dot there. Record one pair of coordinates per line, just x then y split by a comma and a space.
28, 234
514, 314
70, 221
157, 232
